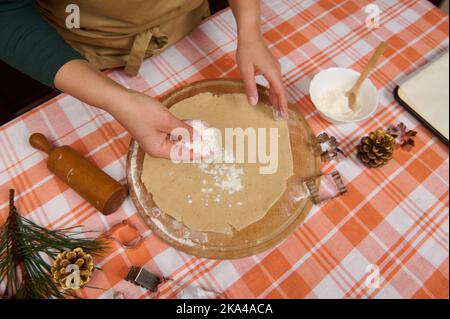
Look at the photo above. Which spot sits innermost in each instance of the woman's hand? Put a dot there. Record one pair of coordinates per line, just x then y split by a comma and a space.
253, 57
145, 118
151, 124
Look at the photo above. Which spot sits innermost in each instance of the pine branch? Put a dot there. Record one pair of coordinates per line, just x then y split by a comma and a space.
24, 248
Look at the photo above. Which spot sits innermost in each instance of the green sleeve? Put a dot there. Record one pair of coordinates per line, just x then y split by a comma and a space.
29, 44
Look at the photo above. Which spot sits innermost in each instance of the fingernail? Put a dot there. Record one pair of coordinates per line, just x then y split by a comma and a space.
277, 115
253, 100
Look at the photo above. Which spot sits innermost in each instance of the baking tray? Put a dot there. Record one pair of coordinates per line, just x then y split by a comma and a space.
419, 117
411, 110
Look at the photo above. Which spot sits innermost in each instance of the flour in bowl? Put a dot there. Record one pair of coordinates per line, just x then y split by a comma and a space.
335, 103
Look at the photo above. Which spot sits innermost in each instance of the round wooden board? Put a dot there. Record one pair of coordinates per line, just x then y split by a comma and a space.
279, 222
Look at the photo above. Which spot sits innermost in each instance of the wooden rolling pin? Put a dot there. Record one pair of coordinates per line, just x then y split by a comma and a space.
91, 183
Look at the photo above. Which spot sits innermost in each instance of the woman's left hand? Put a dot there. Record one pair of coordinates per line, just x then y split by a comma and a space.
253, 58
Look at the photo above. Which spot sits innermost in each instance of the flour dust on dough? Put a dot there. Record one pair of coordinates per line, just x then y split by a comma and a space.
188, 194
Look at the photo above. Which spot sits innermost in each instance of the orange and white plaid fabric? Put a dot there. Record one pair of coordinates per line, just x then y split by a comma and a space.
394, 218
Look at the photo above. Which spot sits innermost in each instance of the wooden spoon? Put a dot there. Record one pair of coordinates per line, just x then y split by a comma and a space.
353, 93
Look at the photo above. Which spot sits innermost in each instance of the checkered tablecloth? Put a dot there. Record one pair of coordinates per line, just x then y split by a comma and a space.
394, 219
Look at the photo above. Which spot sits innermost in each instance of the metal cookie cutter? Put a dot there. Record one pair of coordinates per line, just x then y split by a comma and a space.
143, 278
331, 186
327, 147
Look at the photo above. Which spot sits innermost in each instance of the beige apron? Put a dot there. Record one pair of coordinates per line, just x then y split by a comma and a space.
116, 33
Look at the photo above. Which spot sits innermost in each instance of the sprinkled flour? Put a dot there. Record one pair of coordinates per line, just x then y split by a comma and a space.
227, 177
216, 162
205, 140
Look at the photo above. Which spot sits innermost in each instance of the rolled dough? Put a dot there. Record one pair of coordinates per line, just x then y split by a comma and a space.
188, 194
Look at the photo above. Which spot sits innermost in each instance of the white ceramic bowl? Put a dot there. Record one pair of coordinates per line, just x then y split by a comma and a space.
336, 78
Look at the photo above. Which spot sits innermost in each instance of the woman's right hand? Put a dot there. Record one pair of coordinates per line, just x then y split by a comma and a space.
145, 118
150, 123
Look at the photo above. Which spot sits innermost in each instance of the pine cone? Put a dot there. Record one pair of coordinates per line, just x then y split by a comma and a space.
77, 257
376, 149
